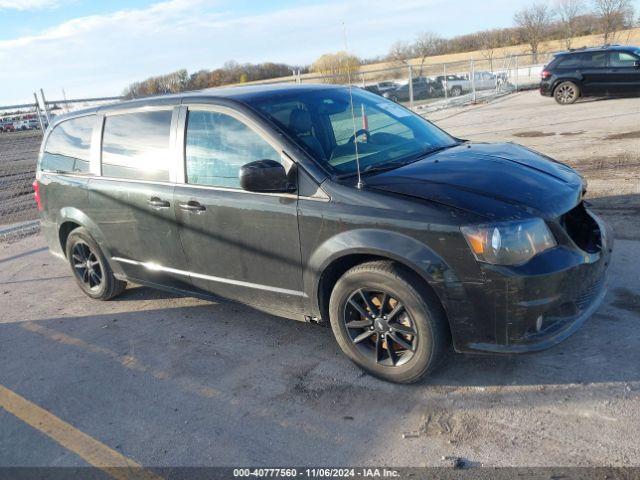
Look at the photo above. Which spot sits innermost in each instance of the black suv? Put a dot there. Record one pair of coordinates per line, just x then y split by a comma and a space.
253, 194
608, 70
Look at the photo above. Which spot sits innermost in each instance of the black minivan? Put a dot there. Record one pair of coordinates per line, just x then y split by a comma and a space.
326, 205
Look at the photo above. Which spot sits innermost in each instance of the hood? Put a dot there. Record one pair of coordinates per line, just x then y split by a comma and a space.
497, 181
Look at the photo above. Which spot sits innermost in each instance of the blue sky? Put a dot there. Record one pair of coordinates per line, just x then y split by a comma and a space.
95, 48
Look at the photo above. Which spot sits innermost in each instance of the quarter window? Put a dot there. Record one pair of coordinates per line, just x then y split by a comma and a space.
217, 145
68, 146
136, 145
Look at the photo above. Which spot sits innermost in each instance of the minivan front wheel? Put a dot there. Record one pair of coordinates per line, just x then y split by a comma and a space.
566, 93
387, 322
90, 268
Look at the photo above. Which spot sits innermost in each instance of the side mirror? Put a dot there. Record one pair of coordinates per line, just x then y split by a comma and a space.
266, 176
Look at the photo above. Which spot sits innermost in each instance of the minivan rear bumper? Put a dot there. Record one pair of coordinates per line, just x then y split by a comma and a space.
545, 303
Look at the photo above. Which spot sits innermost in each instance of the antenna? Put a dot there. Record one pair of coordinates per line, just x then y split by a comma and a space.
64, 95
360, 184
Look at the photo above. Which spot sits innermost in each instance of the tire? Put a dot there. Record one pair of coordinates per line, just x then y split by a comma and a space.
455, 91
566, 93
371, 344
85, 256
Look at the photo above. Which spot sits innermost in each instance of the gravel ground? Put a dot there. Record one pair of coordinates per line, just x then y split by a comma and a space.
175, 381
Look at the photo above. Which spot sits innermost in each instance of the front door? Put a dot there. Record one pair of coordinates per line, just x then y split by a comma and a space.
239, 245
624, 72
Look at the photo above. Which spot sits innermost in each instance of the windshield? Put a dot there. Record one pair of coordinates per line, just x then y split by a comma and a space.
321, 122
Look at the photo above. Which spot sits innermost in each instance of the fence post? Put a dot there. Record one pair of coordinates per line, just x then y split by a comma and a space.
35, 96
472, 67
362, 78
444, 74
517, 72
44, 105
410, 87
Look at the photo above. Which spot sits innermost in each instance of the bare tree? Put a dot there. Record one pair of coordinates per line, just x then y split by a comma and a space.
534, 22
489, 41
614, 15
400, 53
568, 12
426, 45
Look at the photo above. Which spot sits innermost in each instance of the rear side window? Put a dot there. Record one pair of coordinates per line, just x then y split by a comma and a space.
568, 61
68, 146
593, 59
217, 145
137, 145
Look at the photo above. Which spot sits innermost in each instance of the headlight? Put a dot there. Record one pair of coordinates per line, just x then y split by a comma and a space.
509, 243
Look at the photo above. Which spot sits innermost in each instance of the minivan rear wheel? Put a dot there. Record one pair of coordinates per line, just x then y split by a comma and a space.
566, 93
388, 322
90, 267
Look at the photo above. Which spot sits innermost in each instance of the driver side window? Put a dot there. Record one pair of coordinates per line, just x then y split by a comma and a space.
217, 145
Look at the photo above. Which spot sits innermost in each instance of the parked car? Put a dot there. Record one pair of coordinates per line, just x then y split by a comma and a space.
400, 236
586, 72
457, 85
24, 125
7, 126
386, 86
373, 88
423, 87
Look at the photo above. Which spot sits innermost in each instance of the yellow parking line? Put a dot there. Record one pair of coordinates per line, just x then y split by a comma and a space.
89, 449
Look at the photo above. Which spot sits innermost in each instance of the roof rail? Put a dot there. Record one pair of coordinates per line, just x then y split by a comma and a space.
607, 45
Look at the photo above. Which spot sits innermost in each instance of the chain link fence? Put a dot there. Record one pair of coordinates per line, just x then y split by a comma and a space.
428, 87
21, 131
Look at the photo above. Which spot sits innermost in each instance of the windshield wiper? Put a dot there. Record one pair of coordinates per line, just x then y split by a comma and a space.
383, 167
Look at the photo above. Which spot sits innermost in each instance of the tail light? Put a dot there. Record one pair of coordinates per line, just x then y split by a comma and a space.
36, 193
545, 74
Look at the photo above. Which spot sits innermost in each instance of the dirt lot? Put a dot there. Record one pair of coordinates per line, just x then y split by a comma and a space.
171, 381
18, 154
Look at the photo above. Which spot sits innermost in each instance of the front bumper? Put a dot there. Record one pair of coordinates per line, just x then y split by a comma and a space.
537, 306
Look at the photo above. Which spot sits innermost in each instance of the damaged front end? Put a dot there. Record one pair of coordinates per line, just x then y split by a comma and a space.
540, 303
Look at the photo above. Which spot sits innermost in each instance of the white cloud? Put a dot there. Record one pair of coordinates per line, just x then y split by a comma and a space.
26, 4
102, 54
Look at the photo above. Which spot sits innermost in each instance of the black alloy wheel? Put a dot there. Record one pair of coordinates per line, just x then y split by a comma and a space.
86, 266
388, 321
380, 327
90, 267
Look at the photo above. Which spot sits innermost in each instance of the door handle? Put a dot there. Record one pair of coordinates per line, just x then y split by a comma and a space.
192, 206
157, 203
